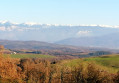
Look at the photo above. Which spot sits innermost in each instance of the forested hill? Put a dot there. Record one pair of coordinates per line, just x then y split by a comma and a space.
37, 45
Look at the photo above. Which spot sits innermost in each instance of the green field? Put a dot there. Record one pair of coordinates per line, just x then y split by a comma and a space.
28, 56
109, 63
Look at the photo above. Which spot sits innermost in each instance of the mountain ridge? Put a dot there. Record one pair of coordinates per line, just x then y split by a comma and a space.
51, 33
107, 41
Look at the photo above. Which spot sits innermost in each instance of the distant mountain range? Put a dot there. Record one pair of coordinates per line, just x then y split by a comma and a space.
107, 41
51, 33
80, 35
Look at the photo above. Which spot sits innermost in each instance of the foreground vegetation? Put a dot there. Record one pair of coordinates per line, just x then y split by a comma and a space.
43, 71
37, 70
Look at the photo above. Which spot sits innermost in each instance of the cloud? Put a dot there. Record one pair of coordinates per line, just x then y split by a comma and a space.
83, 33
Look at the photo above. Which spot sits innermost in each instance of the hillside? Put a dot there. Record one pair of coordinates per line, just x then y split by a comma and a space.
37, 45
106, 41
84, 70
108, 62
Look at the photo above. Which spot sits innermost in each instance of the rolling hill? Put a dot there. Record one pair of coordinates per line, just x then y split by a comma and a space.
106, 41
38, 45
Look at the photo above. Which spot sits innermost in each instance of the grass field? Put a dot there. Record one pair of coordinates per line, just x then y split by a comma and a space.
28, 56
110, 60
109, 63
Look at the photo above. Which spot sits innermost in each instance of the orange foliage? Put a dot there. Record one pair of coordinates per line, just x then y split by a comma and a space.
43, 71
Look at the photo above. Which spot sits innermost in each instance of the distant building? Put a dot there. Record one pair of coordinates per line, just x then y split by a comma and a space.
13, 53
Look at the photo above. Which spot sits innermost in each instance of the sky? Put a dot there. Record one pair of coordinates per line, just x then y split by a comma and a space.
75, 12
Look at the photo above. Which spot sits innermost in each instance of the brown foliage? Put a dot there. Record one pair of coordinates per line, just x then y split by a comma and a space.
43, 71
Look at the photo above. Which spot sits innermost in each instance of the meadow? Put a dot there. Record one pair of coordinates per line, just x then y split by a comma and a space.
28, 56
109, 63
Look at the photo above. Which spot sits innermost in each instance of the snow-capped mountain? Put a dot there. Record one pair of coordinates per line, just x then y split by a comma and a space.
51, 32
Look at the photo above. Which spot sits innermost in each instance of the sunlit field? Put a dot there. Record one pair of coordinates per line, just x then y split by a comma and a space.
108, 62
28, 56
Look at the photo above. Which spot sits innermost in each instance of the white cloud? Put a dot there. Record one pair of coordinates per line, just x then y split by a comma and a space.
83, 33
104, 26
32, 23
88, 25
